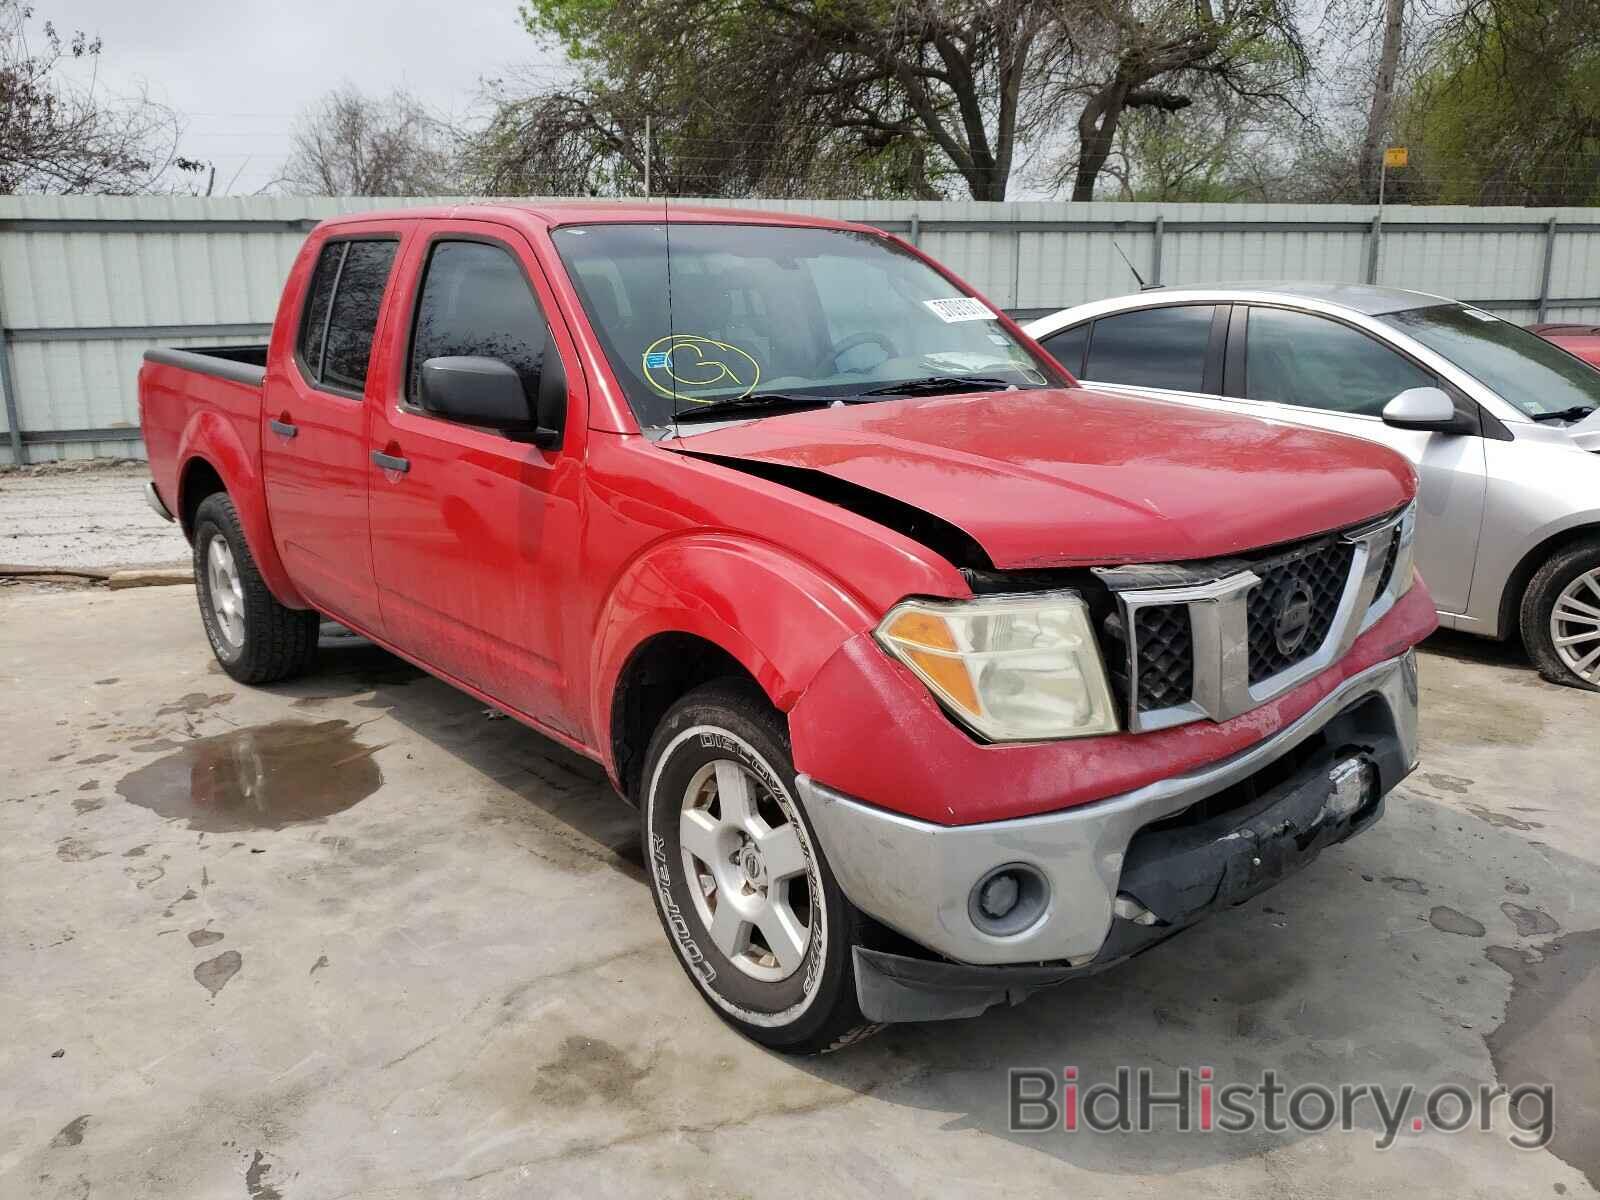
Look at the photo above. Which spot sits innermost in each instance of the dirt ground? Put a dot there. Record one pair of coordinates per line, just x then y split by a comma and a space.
351, 936
84, 515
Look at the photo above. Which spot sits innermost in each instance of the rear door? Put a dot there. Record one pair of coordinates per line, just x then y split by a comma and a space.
475, 535
1314, 370
314, 426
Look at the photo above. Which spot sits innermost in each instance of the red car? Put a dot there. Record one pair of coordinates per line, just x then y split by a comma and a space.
936, 678
1582, 340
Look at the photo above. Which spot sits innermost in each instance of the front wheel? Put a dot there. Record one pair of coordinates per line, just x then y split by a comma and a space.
740, 884
1561, 617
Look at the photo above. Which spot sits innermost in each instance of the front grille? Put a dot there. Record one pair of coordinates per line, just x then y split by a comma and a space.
1320, 573
1165, 638
1389, 561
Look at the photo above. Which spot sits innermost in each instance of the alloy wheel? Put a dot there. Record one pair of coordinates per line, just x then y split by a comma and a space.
226, 591
1575, 626
749, 862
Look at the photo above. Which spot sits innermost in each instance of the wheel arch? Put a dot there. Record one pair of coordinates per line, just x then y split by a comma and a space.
700, 607
212, 457
1516, 587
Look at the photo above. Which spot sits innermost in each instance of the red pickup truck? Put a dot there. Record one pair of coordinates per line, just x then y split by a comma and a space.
936, 678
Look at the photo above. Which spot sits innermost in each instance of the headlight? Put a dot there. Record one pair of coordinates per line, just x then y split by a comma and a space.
1016, 668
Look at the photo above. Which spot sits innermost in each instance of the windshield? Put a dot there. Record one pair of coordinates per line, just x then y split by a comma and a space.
767, 310
1525, 370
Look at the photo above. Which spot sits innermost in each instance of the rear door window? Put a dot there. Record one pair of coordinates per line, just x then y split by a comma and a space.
319, 297
1154, 347
353, 317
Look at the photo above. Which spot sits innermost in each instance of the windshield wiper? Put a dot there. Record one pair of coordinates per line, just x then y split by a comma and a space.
760, 402
940, 385
1576, 413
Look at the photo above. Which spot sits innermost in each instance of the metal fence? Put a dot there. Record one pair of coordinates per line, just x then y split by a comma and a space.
88, 283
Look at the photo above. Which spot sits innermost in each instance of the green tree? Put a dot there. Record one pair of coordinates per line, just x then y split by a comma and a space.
875, 97
1508, 109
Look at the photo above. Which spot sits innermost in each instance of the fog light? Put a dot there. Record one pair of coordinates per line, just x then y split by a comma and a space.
999, 896
1008, 900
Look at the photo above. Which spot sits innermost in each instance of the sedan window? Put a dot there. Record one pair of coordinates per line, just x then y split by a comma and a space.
1312, 362
1068, 345
1154, 347
1536, 376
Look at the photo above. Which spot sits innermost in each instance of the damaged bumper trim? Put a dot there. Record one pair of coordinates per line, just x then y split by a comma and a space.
1095, 853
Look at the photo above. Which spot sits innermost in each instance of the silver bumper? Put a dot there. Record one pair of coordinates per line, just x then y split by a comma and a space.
153, 499
917, 878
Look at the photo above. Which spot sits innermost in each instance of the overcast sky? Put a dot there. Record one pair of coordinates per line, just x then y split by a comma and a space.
239, 72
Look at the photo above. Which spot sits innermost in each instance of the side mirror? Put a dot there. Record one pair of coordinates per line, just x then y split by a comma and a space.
1425, 408
487, 391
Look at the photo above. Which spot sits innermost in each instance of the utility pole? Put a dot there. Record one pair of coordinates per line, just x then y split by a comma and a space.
647, 156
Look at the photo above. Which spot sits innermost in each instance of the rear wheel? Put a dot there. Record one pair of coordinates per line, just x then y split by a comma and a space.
1561, 617
256, 639
739, 881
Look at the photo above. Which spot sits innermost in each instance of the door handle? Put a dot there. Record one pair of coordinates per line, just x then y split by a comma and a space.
389, 462
283, 429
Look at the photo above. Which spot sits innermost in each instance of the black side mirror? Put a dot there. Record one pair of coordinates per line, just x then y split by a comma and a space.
487, 391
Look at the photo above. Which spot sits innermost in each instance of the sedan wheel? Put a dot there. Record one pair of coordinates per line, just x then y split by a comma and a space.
1561, 616
1575, 626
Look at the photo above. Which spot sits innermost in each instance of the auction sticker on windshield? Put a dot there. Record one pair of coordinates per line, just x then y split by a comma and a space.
960, 308
699, 369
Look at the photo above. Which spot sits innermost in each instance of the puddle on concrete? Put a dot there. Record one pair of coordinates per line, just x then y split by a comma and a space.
1449, 920
1530, 922
214, 973
259, 777
1548, 1037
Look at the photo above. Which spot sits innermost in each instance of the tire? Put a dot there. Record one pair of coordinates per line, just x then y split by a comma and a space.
722, 753
1563, 602
256, 639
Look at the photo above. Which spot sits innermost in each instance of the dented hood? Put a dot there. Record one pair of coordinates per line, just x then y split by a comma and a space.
1072, 476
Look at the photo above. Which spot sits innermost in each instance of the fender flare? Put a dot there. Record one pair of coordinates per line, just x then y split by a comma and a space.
778, 615
212, 439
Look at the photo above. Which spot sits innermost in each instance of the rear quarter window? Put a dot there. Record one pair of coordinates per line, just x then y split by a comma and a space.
1067, 347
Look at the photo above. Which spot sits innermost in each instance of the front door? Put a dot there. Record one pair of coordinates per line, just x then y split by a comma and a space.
474, 535
314, 429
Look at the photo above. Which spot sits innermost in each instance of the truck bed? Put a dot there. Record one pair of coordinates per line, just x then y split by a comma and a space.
178, 387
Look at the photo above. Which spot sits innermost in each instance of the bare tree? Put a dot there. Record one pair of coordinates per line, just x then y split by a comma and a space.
350, 144
1111, 57
59, 138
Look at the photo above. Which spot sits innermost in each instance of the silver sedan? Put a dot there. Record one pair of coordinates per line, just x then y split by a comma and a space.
1501, 425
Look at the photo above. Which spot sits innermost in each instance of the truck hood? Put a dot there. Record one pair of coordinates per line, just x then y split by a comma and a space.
1066, 477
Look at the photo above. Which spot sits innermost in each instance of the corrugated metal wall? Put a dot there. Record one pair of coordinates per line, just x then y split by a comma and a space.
87, 283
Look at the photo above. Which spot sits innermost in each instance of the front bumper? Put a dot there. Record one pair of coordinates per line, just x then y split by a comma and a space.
1272, 816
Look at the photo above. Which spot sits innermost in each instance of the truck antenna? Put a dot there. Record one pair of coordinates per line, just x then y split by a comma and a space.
672, 328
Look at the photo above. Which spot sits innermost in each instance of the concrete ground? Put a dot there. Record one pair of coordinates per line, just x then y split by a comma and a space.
353, 937
79, 515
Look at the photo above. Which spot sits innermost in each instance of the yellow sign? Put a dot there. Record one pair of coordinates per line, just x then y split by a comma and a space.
1395, 156
684, 364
